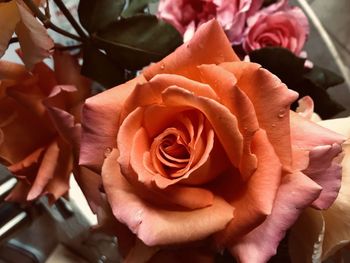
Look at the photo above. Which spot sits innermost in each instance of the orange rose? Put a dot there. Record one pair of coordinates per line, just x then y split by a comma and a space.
39, 115
202, 145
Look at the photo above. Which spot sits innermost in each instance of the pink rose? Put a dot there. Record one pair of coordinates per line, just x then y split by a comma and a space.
187, 15
277, 25
201, 148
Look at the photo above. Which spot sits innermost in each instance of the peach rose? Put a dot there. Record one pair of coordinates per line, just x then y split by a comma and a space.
202, 146
39, 115
278, 25
187, 15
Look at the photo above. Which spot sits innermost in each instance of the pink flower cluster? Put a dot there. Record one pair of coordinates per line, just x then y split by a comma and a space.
245, 22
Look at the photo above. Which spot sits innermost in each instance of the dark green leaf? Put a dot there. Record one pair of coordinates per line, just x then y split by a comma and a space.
323, 77
290, 69
136, 7
276, 60
136, 41
100, 68
97, 14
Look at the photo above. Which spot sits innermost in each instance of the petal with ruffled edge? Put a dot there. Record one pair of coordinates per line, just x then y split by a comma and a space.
208, 46
252, 199
151, 92
100, 122
296, 192
337, 217
224, 84
70, 132
324, 148
67, 72
153, 225
271, 99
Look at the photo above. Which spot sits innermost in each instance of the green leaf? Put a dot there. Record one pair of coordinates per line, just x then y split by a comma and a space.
323, 77
136, 41
136, 7
97, 66
290, 69
97, 14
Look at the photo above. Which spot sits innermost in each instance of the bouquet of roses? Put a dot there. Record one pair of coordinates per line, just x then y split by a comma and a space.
199, 154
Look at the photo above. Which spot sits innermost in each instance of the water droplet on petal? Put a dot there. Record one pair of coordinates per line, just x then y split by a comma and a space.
162, 66
273, 125
108, 151
281, 113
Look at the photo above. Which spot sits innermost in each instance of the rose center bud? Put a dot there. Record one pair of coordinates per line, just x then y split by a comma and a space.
176, 149
171, 151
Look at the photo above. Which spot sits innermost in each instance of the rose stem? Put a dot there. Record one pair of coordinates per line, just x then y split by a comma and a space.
46, 21
70, 18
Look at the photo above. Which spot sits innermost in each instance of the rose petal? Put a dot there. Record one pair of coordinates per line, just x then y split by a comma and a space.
100, 121
271, 100
67, 72
153, 225
9, 18
46, 78
10, 71
340, 125
88, 181
223, 122
33, 37
151, 92
307, 134
224, 84
59, 185
208, 46
143, 180
306, 109
295, 193
21, 131
326, 171
253, 199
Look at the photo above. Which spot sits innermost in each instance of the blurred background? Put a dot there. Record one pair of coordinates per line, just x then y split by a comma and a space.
335, 20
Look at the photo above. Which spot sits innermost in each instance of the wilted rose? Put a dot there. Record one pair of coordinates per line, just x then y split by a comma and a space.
39, 116
203, 146
187, 15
